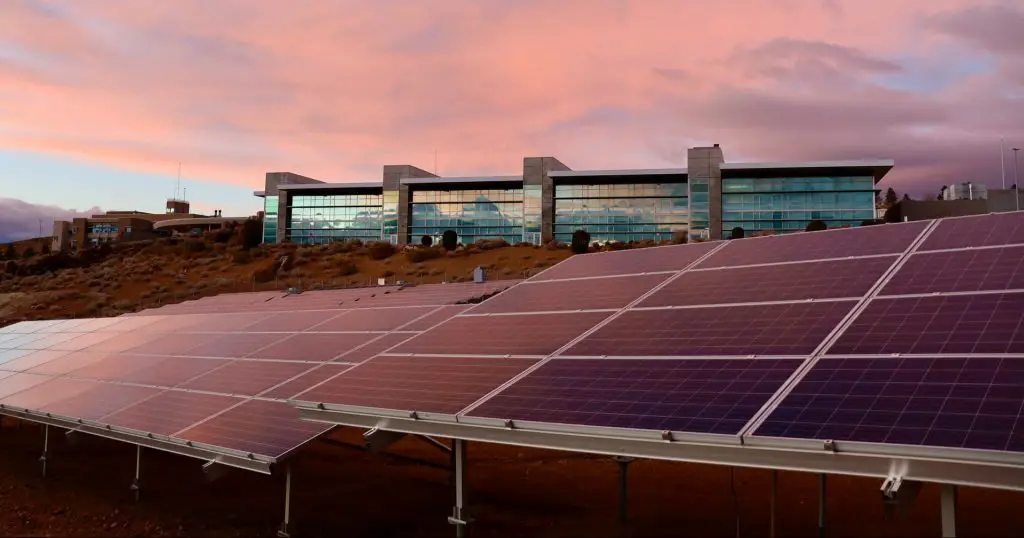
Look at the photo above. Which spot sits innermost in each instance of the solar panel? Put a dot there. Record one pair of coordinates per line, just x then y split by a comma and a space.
43, 394
942, 401
441, 314
114, 367
236, 345
625, 262
780, 329
522, 334
314, 347
949, 324
693, 395
246, 378
256, 426
606, 293
84, 340
28, 360
293, 321
373, 347
99, 400
442, 385
170, 411
378, 319
173, 344
840, 243
798, 281
68, 363
960, 271
977, 231
170, 372
316, 375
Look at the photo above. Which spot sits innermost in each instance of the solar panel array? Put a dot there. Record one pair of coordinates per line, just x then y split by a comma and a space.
214, 373
907, 333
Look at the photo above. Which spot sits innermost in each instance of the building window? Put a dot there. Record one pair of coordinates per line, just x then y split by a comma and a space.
314, 219
474, 214
781, 205
622, 212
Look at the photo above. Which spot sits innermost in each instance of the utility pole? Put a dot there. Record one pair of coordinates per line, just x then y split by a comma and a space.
1002, 160
1016, 179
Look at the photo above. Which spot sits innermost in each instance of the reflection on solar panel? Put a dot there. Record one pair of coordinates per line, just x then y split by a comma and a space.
318, 374
625, 262
697, 396
317, 347
977, 231
782, 329
957, 324
381, 319
942, 401
257, 426
798, 281
960, 271
246, 378
525, 334
609, 293
170, 411
841, 243
423, 384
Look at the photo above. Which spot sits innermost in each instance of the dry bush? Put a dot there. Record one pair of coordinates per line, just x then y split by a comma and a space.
380, 250
193, 246
491, 244
347, 267
420, 255
267, 273
241, 257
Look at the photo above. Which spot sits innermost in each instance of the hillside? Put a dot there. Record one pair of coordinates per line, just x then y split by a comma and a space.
134, 276
38, 245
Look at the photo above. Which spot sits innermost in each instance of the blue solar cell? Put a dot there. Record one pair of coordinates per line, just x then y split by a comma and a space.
866, 241
949, 401
977, 231
985, 323
692, 395
780, 329
963, 270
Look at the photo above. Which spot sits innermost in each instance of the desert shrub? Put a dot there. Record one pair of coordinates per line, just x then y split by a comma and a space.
380, 250
252, 233
387, 274
420, 255
28, 253
192, 246
816, 226
736, 233
347, 267
46, 248
220, 248
580, 242
10, 253
450, 240
491, 244
427, 241
256, 252
223, 235
266, 273
241, 257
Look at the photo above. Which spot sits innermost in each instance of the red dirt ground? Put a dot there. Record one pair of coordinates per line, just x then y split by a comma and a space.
340, 491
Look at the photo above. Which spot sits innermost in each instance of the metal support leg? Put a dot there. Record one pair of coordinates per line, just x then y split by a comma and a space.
46, 447
138, 469
623, 462
735, 499
771, 504
821, 505
283, 532
460, 517
948, 500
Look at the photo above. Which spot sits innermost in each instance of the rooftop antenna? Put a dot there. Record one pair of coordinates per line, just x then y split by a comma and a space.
1002, 161
177, 185
435, 162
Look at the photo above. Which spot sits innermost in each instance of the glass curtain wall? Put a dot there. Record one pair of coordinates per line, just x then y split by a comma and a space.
315, 219
270, 219
621, 212
781, 205
700, 212
472, 213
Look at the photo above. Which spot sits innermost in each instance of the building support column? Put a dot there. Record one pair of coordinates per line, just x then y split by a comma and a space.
948, 503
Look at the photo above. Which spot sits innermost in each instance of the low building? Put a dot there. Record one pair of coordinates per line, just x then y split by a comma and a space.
995, 201
549, 201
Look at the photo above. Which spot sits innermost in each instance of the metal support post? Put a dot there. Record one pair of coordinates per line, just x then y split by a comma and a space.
821, 505
138, 469
948, 502
46, 447
771, 504
623, 462
735, 499
460, 517
283, 532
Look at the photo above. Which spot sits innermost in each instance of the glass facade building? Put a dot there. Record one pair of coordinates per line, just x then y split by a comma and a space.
318, 219
473, 213
270, 219
621, 212
788, 204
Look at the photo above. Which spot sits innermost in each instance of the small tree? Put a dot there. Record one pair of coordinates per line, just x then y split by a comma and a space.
450, 240
252, 233
46, 248
906, 197
427, 241
816, 226
28, 253
890, 196
580, 242
737, 233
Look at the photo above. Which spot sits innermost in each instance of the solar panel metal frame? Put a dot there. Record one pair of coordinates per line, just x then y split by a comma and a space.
959, 466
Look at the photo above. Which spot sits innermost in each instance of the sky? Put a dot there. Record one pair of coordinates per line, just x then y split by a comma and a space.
101, 99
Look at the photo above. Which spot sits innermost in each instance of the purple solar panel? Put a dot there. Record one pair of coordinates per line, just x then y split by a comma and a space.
172, 371
246, 378
950, 402
174, 344
293, 321
782, 329
440, 315
369, 350
84, 340
302, 383
423, 384
31, 360
977, 231
236, 345
18, 382
170, 411
626, 262
987, 323
260, 427
526, 334
115, 367
383, 319
798, 281
68, 363
42, 394
698, 396
316, 347
964, 270
122, 342
841, 243
609, 293
100, 400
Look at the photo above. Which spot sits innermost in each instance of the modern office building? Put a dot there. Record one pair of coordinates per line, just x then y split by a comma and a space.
550, 201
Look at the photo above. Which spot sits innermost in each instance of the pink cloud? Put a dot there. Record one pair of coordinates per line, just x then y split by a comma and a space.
337, 89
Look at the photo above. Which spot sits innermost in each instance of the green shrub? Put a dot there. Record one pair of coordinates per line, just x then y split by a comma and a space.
580, 242
450, 240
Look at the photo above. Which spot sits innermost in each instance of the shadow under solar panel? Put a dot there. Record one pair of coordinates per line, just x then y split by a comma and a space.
959, 271
946, 402
779, 329
692, 395
945, 324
